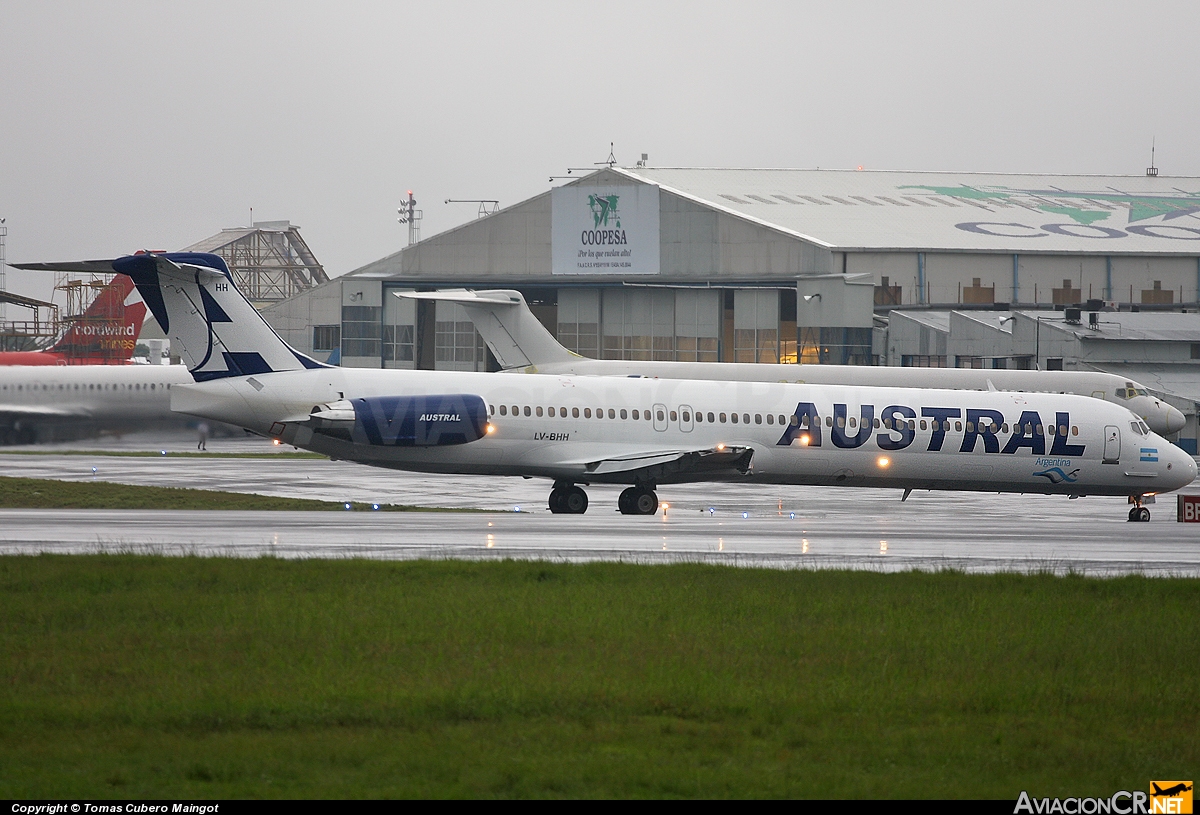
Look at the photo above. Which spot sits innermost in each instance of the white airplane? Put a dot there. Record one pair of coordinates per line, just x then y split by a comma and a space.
578, 430
522, 344
109, 398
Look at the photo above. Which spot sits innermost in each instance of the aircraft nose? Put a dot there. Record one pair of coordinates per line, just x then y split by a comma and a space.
1183, 467
1175, 419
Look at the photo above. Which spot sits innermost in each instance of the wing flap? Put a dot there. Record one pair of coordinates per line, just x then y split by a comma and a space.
657, 464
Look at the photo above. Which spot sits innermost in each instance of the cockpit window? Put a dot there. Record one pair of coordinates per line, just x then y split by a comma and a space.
1137, 428
1141, 392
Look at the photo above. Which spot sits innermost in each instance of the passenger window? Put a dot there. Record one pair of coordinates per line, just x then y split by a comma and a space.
491, 410
687, 417
841, 421
1074, 431
770, 418
876, 424
574, 413
829, 421
661, 417
711, 419
853, 422
539, 411
745, 418
637, 415
922, 424
970, 427
1062, 430
781, 421
733, 417
1038, 430
674, 416
612, 414
722, 418
624, 414
699, 416
587, 413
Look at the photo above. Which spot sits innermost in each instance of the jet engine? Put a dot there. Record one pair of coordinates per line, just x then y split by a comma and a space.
404, 421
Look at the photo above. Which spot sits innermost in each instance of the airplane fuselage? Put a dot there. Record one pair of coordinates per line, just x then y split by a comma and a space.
561, 427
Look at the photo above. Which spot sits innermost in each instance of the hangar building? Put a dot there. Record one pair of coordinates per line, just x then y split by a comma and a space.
775, 265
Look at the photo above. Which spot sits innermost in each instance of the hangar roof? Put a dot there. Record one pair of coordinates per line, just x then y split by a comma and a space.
883, 210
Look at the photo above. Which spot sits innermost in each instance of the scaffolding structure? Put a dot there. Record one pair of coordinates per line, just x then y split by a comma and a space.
269, 260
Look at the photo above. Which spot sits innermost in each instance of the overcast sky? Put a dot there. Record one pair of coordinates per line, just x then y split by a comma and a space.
153, 125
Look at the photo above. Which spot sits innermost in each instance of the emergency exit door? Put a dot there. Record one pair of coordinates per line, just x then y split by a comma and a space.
1112, 444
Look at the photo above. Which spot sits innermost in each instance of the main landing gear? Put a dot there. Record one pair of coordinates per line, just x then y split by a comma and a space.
1139, 514
568, 499
638, 500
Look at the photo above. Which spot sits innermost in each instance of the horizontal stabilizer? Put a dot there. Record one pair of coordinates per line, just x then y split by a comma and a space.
502, 317
79, 266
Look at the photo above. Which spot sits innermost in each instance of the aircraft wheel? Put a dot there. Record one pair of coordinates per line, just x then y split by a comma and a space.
645, 502
625, 503
1143, 515
556, 501
574, 501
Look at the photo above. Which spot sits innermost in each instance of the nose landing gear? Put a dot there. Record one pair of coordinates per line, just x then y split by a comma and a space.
638, 500
1139, 514
568, 499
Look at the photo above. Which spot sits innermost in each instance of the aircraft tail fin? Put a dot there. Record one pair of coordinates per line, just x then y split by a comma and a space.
108, 330
216, 330
515, 336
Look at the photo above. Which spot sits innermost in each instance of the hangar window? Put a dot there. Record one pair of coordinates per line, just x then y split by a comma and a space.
398, 344
360, 331
326, 337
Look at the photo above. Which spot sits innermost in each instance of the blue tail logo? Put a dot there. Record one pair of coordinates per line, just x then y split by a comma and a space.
1055, 475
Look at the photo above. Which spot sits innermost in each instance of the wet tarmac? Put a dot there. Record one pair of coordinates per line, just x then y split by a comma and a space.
782, 527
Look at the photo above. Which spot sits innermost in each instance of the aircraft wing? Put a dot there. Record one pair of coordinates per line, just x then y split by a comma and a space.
657, 464
37, 412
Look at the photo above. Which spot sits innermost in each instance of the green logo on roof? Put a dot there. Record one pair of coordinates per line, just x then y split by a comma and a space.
604, 209
1081, 207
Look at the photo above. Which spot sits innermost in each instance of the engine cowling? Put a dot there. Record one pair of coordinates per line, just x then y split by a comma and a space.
414, 421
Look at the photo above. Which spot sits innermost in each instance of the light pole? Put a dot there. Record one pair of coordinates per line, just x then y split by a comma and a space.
1037, 339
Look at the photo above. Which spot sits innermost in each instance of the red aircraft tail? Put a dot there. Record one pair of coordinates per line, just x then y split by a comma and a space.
108, 331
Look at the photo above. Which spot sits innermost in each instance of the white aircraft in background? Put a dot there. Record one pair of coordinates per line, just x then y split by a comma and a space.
42, 400
637, 431
521, 343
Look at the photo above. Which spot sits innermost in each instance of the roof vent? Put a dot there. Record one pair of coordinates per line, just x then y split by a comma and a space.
1072, 316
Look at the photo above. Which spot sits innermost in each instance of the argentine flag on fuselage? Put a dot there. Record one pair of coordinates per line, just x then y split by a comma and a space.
217, 331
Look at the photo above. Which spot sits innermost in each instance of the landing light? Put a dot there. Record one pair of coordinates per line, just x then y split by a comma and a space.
664, 506
883, 461
276, 442
720, 446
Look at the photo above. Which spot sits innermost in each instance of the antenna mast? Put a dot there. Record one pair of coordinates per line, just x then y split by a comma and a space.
409, 214
1152, 171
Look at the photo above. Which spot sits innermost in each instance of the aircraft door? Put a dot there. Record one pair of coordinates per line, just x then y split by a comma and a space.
1112, 444
685, 418
660, 417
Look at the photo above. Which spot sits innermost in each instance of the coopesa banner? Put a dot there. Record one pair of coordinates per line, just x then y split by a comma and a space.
604, 230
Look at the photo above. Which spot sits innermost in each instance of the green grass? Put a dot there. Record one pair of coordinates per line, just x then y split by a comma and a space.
37, 493
133, 677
